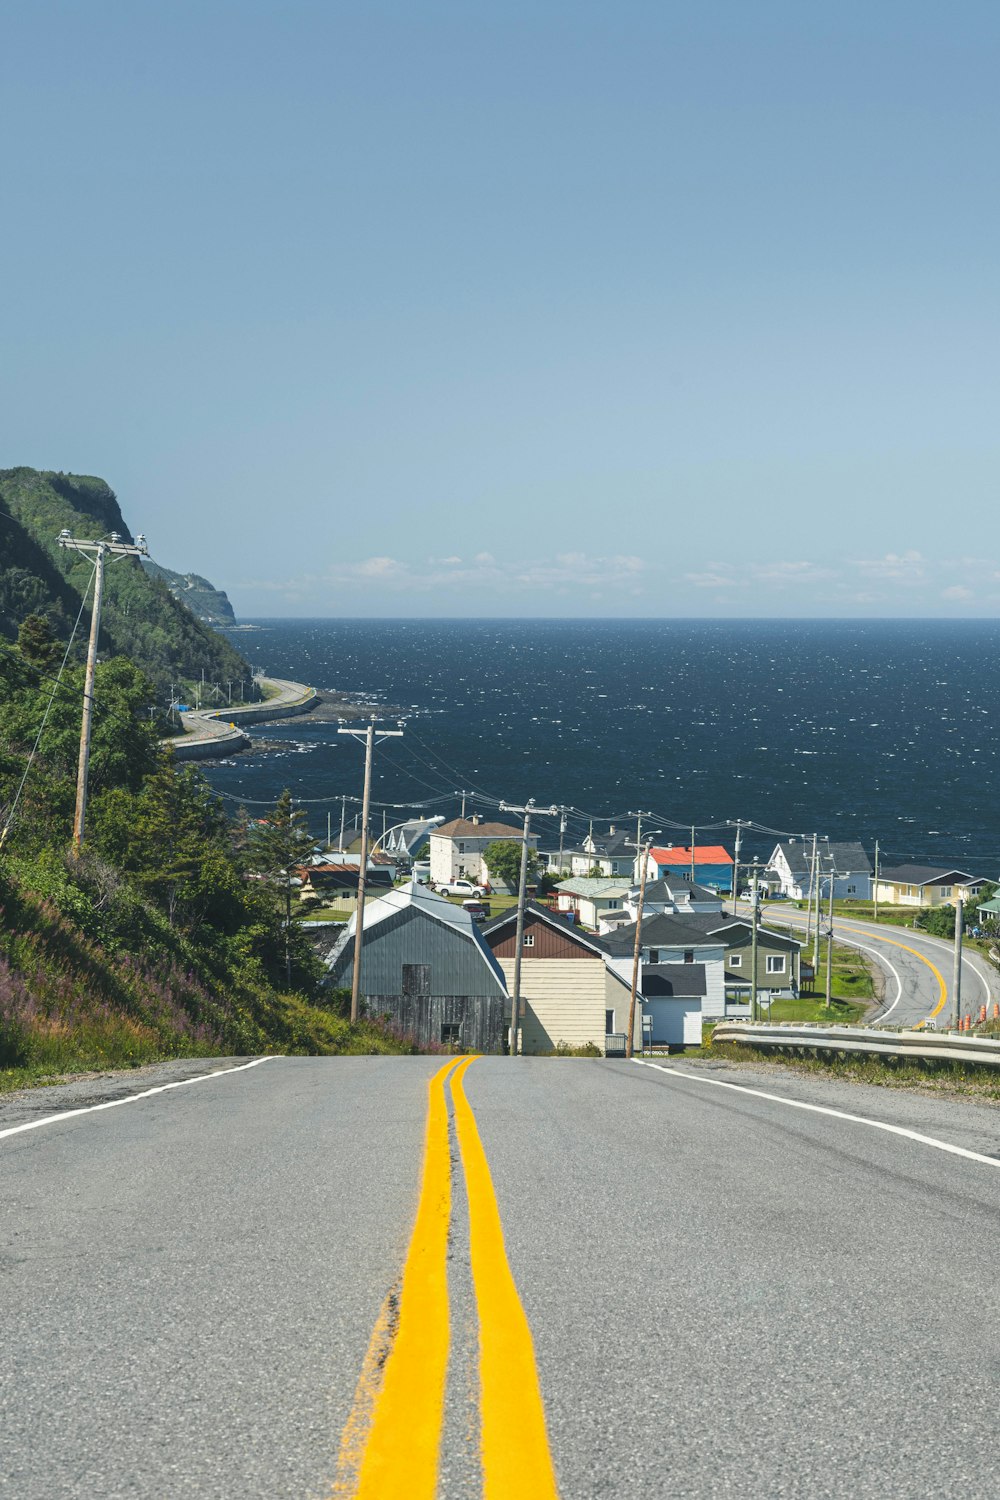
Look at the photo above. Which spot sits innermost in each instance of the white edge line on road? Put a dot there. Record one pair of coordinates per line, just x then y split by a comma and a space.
89, 1109
881, 958
824, 1109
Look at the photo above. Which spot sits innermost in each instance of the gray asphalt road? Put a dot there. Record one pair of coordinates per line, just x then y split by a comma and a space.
912, 989
728, 1295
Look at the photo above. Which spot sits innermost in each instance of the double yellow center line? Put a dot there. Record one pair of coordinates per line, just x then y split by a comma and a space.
392, 1439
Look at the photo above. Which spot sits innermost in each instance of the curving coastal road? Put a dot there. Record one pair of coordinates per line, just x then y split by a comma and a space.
917, 968
731, 1281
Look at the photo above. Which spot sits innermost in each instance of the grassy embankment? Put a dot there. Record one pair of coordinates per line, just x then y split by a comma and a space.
91, 985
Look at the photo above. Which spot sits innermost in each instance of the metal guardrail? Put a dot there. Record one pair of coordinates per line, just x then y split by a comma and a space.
830, 1040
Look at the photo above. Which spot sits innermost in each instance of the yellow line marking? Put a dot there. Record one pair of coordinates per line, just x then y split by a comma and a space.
366, 1393
517, 1464
892, 943
390, 1444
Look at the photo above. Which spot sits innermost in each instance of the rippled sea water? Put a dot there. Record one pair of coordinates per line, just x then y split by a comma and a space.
869, 729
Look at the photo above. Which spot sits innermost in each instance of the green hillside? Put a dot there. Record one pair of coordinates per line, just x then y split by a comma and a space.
207, 603
140, 618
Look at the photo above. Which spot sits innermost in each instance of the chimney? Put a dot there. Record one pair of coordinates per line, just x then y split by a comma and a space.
475, 817
611, 831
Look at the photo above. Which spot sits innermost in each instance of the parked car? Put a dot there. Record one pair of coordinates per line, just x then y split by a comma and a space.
479, 911
461, 888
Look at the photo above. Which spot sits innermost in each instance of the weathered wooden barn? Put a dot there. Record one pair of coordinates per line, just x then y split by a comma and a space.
425, 966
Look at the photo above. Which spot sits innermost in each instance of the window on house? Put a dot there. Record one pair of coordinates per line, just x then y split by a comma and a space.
451, 1032
654, 955
776, 963
609, 1022
529, 940
911, 890
461, 848
689, 955
736, 960
946, 890
852, 890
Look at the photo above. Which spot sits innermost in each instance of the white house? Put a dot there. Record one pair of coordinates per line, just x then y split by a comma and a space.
590, 899
457, 848
848, 863
673, 897
668, 939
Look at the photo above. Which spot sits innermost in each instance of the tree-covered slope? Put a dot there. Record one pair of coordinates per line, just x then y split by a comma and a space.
207, 603
140, 618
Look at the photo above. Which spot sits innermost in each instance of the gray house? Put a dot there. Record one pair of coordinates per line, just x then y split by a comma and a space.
425, 966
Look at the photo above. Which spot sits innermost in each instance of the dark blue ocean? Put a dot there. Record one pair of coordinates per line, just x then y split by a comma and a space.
868, 729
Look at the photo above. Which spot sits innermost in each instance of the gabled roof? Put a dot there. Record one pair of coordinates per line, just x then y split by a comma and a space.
468, 828
617, 842
661, 930
727, 931
704, 854
594, 885
928, 875
508, 919
847, 858
435, 908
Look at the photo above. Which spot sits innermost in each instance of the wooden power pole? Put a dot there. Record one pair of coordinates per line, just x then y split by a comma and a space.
368, 735
105, 547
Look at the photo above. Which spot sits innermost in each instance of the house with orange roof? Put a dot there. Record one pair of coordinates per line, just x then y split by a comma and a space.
705, 864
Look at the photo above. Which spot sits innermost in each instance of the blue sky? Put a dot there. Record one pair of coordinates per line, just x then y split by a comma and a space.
548, 309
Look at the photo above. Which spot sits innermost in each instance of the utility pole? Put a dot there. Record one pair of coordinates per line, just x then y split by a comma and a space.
522, 888
754, 942
562, 836
812, 883
463, 796
736, 863
110, 546
343, 819
637, 950
692, 854
875, 886
819, 902
956, 972
640, 851
368, 735
829, 941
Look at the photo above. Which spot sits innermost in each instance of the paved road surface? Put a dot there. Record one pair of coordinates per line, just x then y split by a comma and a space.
917, 968
727, 1295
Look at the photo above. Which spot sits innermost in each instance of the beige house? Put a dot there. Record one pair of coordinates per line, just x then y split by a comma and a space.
457, 848
569, 992
925, 885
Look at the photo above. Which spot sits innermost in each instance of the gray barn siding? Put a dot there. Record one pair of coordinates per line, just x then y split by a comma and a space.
483, 1020
456, 965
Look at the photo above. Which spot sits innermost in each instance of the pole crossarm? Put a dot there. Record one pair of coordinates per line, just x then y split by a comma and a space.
110, 545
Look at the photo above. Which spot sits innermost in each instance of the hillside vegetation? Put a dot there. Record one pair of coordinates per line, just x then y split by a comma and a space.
171, 933
140, 616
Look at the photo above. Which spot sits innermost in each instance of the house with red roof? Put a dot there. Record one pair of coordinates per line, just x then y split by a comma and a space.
705, 864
